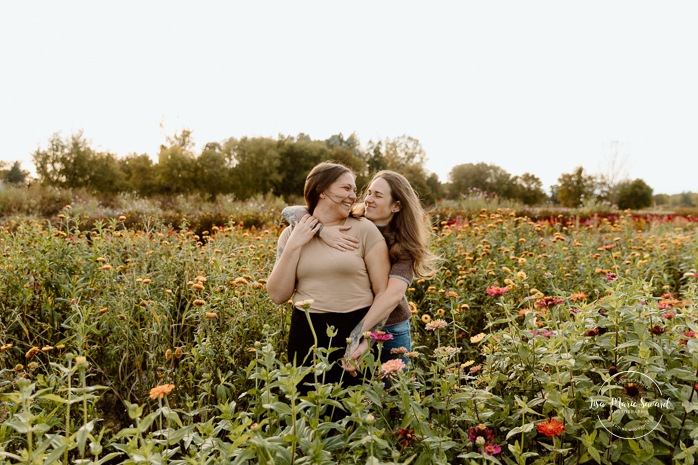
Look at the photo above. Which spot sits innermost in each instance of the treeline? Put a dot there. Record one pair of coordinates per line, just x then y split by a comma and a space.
250, 166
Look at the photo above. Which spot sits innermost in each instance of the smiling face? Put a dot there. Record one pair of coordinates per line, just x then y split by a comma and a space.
380, 206
341, 194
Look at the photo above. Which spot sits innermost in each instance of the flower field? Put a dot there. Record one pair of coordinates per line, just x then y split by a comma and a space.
547, 341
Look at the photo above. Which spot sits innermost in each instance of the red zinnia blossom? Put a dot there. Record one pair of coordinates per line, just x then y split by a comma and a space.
592, 332
406, 437
480, 431
496, 290
688, 335
551, 428
549, 301
657, 329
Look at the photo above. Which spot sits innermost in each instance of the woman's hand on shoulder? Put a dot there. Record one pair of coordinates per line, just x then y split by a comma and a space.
304, 230
335, 237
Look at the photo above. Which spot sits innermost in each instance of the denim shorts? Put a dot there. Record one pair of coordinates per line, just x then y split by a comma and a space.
401, 338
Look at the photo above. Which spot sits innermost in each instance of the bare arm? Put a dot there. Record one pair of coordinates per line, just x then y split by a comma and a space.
334, 236
380, 310
282, 281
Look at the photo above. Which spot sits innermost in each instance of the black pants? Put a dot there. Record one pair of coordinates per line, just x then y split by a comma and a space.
301, 341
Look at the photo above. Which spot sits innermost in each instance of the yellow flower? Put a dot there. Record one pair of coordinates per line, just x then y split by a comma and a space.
521, 275
413, 308
160, 391
31, 352
477, 338
168, 354
7, 346
212, 315
426, 318
199, 302
178, 353
440, 312
198, 287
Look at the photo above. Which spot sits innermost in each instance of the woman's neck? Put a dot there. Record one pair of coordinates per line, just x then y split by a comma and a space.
328, 217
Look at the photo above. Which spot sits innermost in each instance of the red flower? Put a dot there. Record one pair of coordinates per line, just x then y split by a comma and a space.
549, 301
406, 437
551, 428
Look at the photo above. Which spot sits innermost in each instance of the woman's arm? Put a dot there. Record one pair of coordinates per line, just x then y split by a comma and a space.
282, 281
332, 235
380, 310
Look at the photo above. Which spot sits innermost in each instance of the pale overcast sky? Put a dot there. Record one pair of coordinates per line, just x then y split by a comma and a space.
531, 86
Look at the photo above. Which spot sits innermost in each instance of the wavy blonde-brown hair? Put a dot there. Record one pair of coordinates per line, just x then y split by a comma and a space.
409, 231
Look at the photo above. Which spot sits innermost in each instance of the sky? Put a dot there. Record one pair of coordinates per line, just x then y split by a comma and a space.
538, 87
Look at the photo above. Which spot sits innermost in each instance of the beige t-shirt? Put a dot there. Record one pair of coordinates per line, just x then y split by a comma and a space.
337, 281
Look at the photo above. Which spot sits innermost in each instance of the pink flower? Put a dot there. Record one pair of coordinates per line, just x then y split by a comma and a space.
496, 290
392, 367
381, 336
610, 277
668, 315
491, 449
436, 324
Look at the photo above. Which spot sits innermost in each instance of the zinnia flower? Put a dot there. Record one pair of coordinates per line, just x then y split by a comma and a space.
496, 290
480, 431
159, 391
491, 449
551, 428
31, 352
477, 338
392, 367
436, 324
381, 336
426, 318
546, 302
610, 277
407, 437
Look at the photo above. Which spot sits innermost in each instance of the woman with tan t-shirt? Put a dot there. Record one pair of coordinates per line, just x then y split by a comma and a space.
341, 285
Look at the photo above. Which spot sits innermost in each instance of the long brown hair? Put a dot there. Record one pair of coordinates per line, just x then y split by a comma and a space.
409, 231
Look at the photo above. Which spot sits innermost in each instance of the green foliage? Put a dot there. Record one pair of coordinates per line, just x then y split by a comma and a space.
634, 195
535, 313
574, 188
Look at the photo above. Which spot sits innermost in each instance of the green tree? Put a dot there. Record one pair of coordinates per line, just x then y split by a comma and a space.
139, 174
106, 176
634, 195
213, 175
256, 164
175, 170
528, 189
16, 175
488, 178
65, 163
574, 187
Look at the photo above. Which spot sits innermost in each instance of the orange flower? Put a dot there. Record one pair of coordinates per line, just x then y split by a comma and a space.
578, 296
159, 391
551, 428
31, 352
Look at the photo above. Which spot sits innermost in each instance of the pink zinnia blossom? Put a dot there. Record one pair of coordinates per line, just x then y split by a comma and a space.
610, 277
392, 367
381, 336
668, 315
496, 290
491, 449
436, 324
